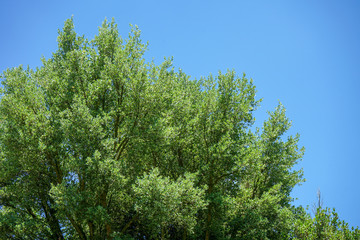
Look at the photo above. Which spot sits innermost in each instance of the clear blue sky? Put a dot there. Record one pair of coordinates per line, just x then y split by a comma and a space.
304, 53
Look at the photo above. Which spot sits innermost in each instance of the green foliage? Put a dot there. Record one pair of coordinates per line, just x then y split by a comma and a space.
325, 225
99, 144
161, 202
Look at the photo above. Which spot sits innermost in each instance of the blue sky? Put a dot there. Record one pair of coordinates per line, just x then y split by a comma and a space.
305, 54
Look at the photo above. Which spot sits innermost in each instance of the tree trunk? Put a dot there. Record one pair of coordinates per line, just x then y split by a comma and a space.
209, 214
52, 220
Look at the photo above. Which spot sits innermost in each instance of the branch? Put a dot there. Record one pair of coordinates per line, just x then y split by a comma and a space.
129, 223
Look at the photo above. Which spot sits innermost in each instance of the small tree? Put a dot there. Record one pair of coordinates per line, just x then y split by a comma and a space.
319, 202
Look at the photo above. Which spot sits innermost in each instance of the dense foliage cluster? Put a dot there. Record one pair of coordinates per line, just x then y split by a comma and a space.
100, 144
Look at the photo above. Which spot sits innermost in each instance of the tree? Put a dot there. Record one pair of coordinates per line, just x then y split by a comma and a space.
99, 144
326, 224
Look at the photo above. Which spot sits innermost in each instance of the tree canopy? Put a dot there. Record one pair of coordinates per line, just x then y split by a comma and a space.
98, 143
